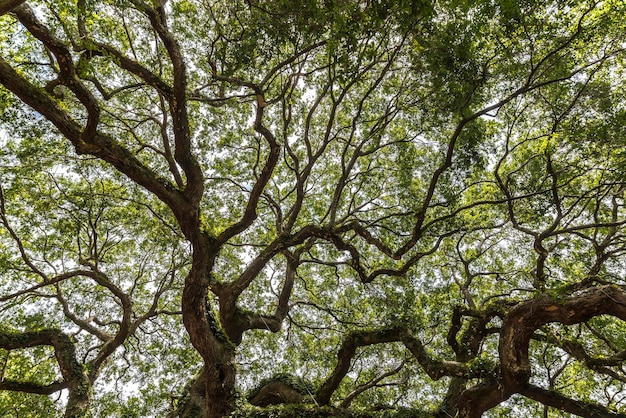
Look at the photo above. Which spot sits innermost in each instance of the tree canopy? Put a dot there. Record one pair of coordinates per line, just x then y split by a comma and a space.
361, 208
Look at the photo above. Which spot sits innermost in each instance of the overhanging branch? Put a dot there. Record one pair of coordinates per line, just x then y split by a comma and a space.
75, 377
519, 327
563, 403
31, 387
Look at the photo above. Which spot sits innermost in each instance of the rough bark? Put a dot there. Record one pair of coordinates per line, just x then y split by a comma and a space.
74, 376
518, 327
206, 333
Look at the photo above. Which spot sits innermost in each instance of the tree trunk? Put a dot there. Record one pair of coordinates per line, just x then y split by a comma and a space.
218, 355
207, 335
450, 405
207, 397
220, 388
78, 403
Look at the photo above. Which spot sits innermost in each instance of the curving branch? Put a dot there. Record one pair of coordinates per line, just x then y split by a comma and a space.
563, 403
75, 377
599, 364
68, 72
31, 387
250, 212
274, 322
132, 66
519, 327
345, 355
433, 367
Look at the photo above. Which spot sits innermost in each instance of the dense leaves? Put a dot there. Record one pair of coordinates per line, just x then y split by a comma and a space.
366, 208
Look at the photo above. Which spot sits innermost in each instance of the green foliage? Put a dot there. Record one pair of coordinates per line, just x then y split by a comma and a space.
27, 406
334, 167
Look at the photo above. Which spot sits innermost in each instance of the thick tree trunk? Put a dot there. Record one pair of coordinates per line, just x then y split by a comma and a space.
218, 355
78, 405
220, 372
220, 388
210, 395
207, 335
79, 385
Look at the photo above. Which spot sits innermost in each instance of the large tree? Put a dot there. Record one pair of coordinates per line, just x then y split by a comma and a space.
366, 204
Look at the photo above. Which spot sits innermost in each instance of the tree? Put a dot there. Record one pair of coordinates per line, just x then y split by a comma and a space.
382, 204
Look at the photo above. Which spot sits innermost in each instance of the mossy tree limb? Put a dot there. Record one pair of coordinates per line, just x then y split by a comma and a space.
74, 375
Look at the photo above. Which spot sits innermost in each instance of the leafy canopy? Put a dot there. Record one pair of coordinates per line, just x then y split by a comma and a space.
390, 207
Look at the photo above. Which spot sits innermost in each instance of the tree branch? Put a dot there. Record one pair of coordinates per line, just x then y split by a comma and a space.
518, 327
434, 368
554, 399
74, 375
7, 5
30, 387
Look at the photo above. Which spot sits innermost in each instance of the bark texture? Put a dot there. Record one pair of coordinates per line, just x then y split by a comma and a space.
75, 379
519, 326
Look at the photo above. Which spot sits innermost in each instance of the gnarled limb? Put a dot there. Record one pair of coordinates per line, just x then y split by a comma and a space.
75, 377
433, 367
518, 328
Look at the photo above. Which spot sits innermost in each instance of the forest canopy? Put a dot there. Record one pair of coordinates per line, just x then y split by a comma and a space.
359, 208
